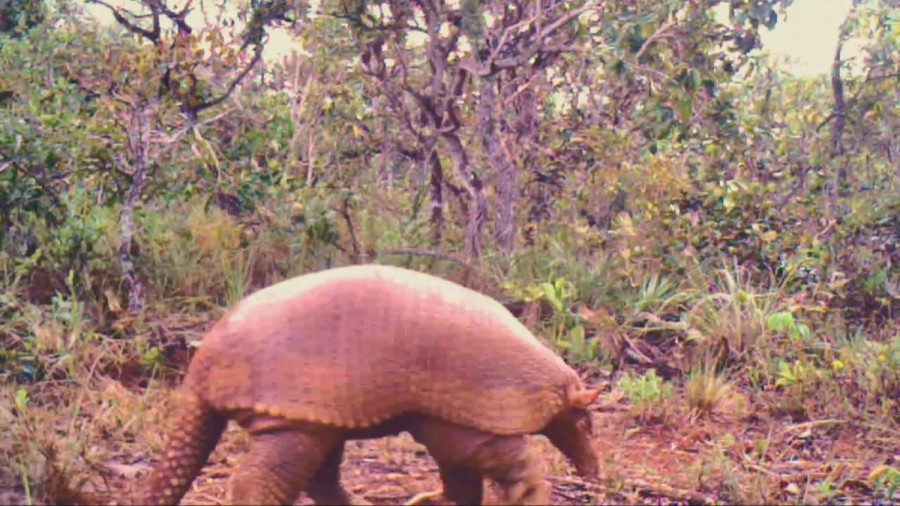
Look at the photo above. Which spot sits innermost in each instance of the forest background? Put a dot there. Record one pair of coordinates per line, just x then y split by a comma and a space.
668, 206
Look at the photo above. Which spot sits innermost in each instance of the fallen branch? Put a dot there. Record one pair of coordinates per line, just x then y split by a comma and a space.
635, 352
658, 489
812, 424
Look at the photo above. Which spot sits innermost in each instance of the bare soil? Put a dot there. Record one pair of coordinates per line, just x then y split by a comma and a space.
735, 458
109, 430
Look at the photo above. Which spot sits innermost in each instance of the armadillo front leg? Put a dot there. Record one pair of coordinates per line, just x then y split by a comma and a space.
512, 464
280, 465
465, 456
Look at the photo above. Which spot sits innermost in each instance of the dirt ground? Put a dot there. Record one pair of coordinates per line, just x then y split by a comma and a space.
736, 456
676, 463
109, 430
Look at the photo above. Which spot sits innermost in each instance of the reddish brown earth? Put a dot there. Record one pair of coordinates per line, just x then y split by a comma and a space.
679, 460
745, 452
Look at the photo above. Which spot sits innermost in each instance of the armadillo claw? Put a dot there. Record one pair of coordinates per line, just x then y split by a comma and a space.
424, 496
355, 500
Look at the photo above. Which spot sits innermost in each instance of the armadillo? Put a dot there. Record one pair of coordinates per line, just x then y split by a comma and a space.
367, 351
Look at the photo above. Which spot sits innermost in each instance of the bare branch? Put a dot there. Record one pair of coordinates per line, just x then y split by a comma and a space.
178, 18
152, 35
257, 55
493, 65
657, 34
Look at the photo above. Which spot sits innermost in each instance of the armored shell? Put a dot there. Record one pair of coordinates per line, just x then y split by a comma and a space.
353, 346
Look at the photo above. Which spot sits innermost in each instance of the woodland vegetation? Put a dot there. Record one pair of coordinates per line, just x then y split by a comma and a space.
678, 215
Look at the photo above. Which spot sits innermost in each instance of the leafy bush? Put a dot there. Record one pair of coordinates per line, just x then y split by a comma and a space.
647, 394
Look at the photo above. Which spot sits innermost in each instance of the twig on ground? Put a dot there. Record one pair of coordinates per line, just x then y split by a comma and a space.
659, 489
758, 468
813, 424
635, 352
670, 492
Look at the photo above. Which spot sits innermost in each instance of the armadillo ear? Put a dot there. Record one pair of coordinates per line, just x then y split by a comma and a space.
581, 399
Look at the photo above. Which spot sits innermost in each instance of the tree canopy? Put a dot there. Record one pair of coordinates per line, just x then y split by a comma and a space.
637, 180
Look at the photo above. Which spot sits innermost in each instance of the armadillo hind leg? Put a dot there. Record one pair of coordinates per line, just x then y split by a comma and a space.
466, 456
325, 487
280, 465
193, 433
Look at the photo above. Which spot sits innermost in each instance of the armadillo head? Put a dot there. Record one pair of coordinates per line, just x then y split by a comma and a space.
571, 431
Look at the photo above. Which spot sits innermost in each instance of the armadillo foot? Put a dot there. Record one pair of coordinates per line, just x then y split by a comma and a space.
325, 487
424, 496
462, 485
280, 465
340, 497
352, 499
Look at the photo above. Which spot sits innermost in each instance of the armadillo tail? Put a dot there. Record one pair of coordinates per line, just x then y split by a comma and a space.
194, 431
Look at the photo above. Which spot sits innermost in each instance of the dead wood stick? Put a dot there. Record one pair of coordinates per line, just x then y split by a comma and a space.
813, 424
660, 489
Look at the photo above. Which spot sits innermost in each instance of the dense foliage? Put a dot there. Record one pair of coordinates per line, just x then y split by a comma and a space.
659, 192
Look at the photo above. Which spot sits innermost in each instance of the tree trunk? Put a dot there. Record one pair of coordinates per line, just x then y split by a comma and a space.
472, 183
137, 138
525, 128
384, 171
840, 110
505, 173
435, 195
